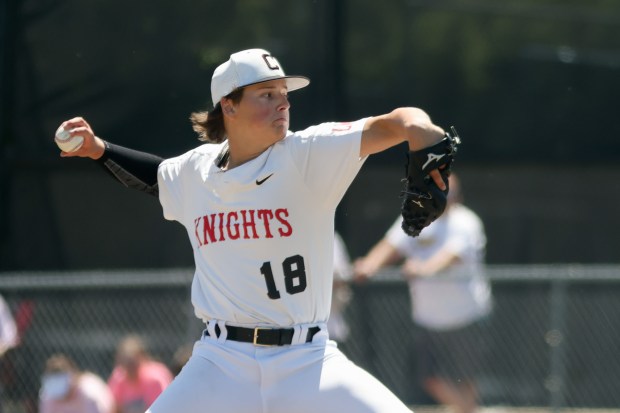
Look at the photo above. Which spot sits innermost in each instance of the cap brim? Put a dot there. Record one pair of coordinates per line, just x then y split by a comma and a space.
296, 82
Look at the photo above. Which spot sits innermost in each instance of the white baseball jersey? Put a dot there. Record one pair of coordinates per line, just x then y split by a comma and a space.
263, 233
461, 293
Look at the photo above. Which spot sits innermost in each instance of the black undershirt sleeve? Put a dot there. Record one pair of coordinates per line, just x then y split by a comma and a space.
134, 169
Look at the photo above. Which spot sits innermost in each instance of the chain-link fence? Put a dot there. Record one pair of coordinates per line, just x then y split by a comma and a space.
551, 340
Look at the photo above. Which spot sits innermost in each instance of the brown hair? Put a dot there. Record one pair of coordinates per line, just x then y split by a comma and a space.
60, 363
210, 125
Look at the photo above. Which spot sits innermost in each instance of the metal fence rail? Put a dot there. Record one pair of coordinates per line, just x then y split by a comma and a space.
551, 341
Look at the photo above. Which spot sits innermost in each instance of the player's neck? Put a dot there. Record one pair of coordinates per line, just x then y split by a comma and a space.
238, 157
244, 151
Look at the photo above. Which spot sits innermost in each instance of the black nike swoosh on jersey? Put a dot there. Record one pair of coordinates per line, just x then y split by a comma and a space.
261, 181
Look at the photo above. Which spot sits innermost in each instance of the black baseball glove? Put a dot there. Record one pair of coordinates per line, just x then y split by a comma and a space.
423, 201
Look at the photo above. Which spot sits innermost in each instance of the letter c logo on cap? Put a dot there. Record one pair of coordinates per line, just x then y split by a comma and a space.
271, 62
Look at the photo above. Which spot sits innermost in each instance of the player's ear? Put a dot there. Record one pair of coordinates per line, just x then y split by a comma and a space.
228, 108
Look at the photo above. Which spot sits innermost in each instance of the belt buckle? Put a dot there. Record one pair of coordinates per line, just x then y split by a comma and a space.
256, 330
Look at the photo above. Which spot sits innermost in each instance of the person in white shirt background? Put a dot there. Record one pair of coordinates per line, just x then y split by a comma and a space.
450, 296
8, 330
67, 389
341, 296
9, 338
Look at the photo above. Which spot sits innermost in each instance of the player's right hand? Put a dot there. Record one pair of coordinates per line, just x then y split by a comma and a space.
92, 147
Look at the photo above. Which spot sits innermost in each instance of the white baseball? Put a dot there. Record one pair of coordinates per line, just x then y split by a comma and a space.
67, 143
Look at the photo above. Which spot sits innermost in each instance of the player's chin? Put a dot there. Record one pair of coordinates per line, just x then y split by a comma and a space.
281, 126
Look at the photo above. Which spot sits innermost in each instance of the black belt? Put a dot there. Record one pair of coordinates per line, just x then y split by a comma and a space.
263, 336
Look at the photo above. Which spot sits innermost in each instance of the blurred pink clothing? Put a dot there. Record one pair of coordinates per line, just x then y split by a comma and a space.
137, 396
91, 396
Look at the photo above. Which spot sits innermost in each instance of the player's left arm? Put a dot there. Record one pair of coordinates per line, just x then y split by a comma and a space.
412, 125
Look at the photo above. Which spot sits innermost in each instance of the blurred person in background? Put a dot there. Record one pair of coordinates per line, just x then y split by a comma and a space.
66, 389
450, 296
9, 338
341, 294
136, 379
15, 359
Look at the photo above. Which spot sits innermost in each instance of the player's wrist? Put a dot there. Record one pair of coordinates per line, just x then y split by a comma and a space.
99, 148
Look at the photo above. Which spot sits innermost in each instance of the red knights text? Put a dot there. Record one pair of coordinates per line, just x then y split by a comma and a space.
242, 224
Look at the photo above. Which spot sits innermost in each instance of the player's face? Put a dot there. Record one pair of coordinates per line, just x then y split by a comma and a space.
264, 109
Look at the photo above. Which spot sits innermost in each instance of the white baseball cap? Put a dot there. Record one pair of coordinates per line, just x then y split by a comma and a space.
248, 67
